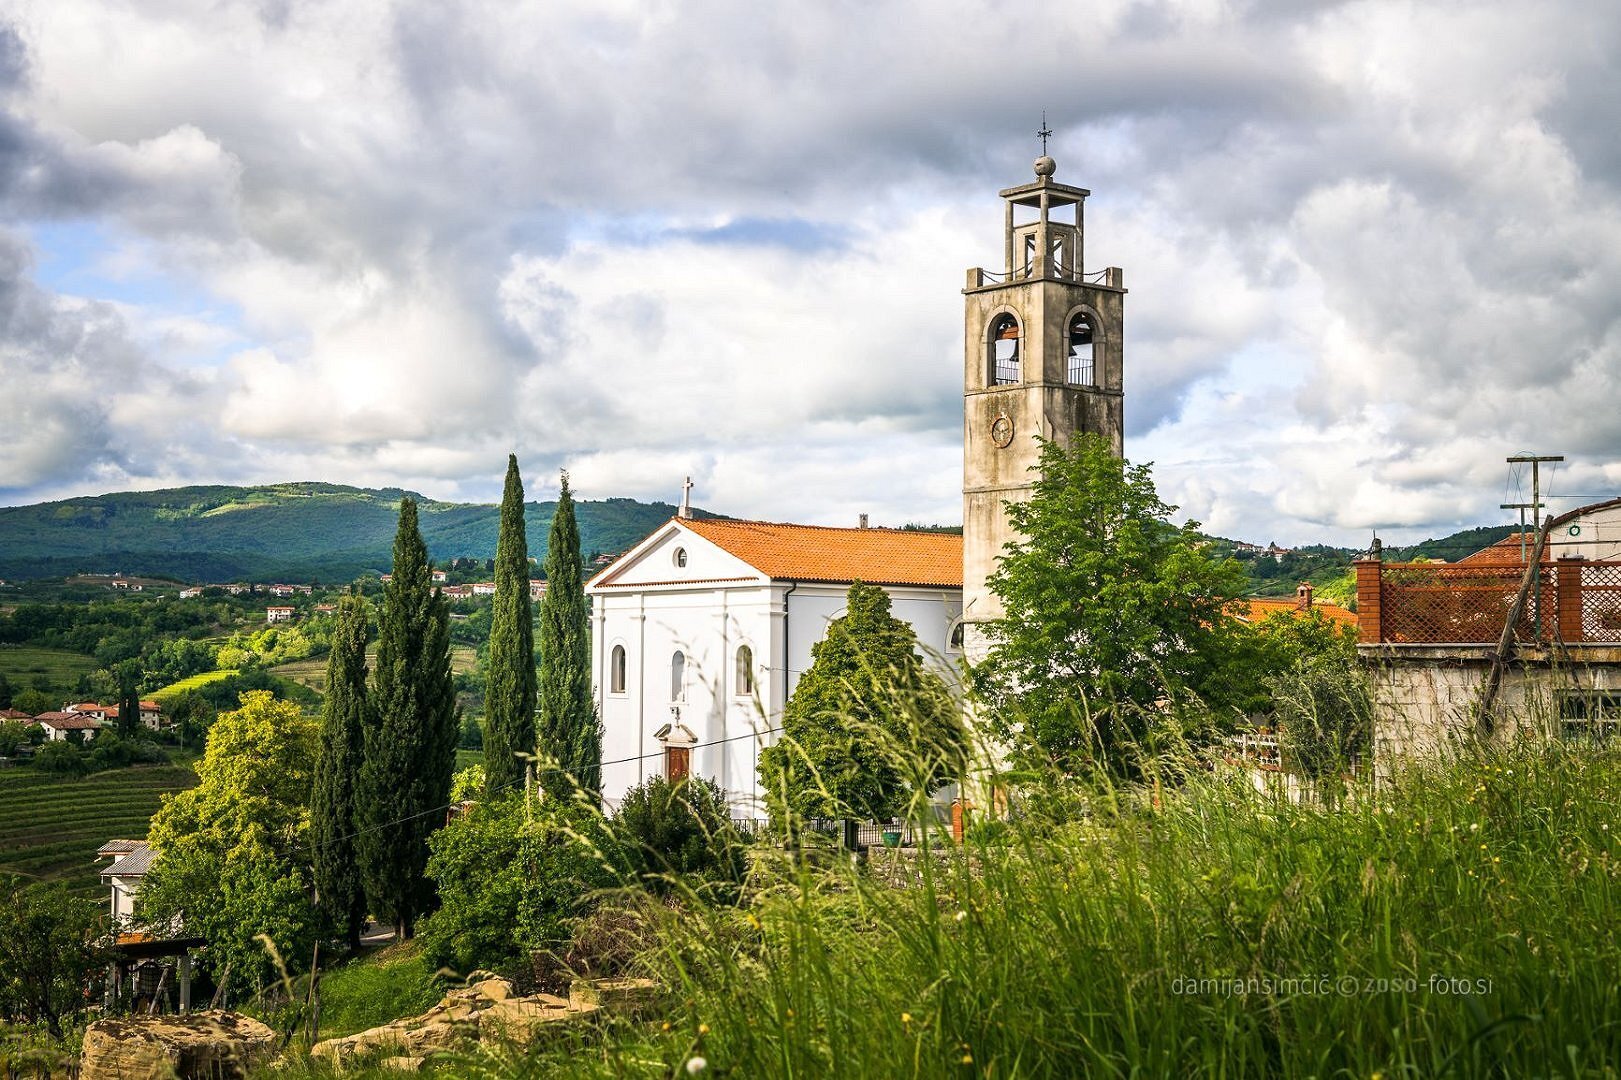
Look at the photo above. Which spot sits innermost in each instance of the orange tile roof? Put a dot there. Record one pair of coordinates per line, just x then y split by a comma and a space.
1254, 610
820, 553
1506, 552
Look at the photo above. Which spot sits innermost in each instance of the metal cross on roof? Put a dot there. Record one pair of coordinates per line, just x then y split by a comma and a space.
1044, 134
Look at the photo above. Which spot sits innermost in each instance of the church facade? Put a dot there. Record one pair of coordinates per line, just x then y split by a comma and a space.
701, 631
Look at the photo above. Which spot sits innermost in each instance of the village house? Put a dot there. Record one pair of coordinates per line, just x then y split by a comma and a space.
537, 588
457, 592
278, 614
440, 577
1546, 637
484, 588
151, 712
1255, 608
60, 726
131, 859
191, 592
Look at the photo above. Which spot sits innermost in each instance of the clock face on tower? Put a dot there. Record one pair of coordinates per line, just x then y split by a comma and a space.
1002, 431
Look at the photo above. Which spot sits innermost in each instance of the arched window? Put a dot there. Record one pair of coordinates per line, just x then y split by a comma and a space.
616, 670
678, 676
1004, 350
679, 557
745, 671
1081, 370
954, 636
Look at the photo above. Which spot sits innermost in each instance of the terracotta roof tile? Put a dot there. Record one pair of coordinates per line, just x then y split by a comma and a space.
1256, 610
1506, 552
819, 553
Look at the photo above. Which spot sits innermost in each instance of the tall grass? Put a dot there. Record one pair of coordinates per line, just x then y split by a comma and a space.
1460, 919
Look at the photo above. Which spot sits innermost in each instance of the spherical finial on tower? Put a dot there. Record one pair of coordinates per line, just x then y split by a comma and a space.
1045, 166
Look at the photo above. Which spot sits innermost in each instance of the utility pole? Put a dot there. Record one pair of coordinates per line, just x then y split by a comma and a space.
1536, 461
1522, 508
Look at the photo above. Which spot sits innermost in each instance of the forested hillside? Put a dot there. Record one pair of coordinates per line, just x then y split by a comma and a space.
293, 532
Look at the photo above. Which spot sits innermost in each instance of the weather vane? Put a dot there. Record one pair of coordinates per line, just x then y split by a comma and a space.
1044, 134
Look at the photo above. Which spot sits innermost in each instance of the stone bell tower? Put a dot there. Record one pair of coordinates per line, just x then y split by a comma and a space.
1041, 358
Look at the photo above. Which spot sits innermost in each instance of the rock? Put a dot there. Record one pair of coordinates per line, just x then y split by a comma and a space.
523, 1020
213, 1044
401, 1064
628, 996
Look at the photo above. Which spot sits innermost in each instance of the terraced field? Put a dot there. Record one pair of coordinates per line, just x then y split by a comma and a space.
50, 828
23, 664
312, 672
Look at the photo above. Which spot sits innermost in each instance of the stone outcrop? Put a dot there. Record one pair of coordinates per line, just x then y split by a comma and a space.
487, 1011
211, 1044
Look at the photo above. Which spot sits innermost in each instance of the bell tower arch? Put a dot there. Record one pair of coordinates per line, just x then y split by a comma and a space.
1042, 354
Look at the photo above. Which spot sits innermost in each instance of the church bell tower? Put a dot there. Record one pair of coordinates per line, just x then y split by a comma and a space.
1041, 357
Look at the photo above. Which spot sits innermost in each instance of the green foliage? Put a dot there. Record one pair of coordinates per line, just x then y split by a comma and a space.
509, 696
61, 759
112, 750
861, 720
1109, 610
36, 701
16, 734
511, 874
334, 820
374, 989
234, 850
129, 698
680, 834
411, 748
568, 731
51, 945
268, 647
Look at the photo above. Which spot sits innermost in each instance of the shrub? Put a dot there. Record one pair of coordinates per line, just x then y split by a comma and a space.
62, 758
511, 874
680, 832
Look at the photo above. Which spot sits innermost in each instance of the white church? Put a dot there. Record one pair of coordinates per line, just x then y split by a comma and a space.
701, 631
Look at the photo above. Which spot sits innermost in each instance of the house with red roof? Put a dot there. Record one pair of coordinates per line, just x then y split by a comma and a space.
703, 629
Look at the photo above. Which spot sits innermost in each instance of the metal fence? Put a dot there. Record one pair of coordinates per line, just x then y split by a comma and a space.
839, 832
1571, 601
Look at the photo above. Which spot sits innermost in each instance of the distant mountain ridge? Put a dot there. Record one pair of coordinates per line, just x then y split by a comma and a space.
305, 531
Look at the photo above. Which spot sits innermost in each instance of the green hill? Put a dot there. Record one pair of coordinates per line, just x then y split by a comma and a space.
291, 532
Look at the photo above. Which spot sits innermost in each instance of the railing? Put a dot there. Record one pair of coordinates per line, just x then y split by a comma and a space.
1572, 600
1111, 276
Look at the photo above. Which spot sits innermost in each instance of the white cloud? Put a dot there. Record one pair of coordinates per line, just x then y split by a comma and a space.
1371, 247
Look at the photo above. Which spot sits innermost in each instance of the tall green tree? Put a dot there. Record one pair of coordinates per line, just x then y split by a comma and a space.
569, 732
868, 724
345, 717
233, 852
129, 698
509, 696
411, 746
1110, 612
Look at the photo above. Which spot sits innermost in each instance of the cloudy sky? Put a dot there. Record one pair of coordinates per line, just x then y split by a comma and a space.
1372, 248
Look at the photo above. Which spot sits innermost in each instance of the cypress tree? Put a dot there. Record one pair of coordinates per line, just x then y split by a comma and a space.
568, 729
345, 717
509, 697
129, 699
411, 747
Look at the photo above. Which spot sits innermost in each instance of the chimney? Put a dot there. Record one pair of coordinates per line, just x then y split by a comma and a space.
863, 521
1303, 594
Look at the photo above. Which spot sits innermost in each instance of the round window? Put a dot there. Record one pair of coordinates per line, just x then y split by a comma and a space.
680, 557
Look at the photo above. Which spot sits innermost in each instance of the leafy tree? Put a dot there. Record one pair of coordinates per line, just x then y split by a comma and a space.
34, 701
233, 857
680, 832
411, 747
14, 735
62, 758
509, 695
511, 873
51, 945
569, 732
5, 691
1109, 612
345, 717
867, 725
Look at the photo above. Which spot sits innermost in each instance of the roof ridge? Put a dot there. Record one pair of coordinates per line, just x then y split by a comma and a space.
825, 528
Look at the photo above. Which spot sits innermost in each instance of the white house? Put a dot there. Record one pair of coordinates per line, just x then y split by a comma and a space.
60, 725
703, 629
131, 860
278, 614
